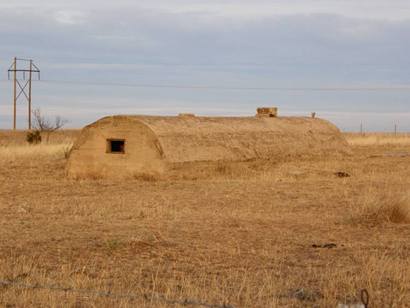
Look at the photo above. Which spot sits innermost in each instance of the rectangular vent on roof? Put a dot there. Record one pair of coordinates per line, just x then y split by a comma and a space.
271, 112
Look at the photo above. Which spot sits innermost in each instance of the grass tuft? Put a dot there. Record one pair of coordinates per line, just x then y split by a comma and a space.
146, 177
380, 208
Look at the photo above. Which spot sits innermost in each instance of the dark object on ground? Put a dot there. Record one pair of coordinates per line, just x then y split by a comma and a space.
342, 174
305, 295
328, 245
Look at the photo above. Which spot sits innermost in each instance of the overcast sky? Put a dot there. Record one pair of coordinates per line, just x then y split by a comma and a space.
347, 60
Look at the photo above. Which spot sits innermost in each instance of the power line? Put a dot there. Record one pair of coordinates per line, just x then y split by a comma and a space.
109, 60
212, 87
250, 88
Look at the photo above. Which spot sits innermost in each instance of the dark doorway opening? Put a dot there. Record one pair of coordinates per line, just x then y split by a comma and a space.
116, 146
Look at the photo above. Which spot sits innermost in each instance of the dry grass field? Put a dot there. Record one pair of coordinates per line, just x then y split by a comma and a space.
309, 233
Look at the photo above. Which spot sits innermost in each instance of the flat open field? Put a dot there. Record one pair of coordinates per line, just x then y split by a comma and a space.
309, 233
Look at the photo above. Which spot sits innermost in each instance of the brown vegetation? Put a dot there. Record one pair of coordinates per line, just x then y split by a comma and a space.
287, 233
372, 139
379, 207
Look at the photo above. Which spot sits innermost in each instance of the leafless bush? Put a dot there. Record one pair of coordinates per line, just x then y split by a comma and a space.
45, 126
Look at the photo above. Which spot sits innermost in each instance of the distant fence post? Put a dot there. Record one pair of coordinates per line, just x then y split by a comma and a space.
361, 128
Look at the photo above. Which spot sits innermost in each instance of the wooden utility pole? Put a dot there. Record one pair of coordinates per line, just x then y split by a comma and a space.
14, 93
29, 94
17, 92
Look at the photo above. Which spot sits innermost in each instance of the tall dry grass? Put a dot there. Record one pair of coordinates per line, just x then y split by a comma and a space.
53, 150
18, 137
368, 139
235, 233
380, 206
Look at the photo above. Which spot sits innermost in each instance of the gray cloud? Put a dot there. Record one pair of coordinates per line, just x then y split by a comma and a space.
369, 9
230, 43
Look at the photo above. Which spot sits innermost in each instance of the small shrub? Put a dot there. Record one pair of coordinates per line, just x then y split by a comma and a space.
396, 210
379, 208
33, 137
